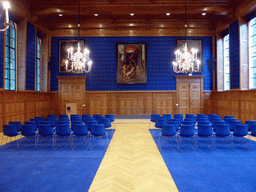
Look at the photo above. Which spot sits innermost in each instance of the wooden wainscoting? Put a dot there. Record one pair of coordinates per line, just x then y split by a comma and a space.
23, 106
241, 104
129, 102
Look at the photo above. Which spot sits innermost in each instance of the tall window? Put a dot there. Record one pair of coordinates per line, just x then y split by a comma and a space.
226, 63
38, 64
252, 53
10, 58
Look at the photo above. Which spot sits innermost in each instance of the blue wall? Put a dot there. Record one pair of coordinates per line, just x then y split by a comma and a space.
30, 65
234, 55
159, 56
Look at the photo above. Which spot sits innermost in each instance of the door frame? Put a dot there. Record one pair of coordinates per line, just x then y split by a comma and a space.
189, 79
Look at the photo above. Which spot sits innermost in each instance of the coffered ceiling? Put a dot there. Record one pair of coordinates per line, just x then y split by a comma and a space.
116, 13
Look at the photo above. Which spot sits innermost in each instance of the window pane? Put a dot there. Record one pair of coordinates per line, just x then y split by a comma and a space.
12, 32
7, 84
12, 62
12, 85
7, 73
7, 63
6, 52
12, 44
38, 63
12, 74
7, 41
12, 55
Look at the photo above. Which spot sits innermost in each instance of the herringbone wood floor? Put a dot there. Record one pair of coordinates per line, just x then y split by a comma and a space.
132, 163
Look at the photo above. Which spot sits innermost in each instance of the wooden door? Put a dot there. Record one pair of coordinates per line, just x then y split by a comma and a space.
189, 94
71, 90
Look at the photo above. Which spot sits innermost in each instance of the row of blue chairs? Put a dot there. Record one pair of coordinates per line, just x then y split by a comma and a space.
204, 126
52, 127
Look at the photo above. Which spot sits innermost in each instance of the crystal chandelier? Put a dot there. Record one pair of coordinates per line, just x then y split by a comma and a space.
78, 62
186, 60
6, 6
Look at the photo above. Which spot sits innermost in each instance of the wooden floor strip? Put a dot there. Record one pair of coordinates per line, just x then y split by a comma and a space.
133, 163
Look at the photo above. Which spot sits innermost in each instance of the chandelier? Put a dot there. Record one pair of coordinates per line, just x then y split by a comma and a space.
6, 6
78, 62
186, 60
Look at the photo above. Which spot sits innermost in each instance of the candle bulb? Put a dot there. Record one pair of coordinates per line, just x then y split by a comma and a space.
6, 6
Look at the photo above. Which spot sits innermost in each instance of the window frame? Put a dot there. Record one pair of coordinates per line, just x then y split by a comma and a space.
226, 62
250, 45
7, 67
36, 65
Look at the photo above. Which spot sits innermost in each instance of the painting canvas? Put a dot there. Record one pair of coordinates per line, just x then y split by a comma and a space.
63, 54
131, 67
193, 44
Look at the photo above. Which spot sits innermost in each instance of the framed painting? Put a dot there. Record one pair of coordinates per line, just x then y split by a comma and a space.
193, 44
64, 45
131, 63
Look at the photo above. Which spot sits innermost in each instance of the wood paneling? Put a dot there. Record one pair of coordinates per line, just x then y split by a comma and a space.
23, 106
129, 102
241, 104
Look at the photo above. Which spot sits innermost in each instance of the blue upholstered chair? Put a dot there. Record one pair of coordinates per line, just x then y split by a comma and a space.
11, 131
178, 116
90, 123
250, 123
28, 130
160, 122
99, 134
168, 131
153, 119
81, 135
17, 123
187, 132
168, 116
240, 131
63, 133
205, 131
223, 132
46, 135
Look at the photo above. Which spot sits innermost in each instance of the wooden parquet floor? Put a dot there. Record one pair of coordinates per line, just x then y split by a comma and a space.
132, 163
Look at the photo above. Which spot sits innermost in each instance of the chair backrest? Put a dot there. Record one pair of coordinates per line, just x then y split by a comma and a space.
154, 117
190, 115
98, 130
240, 130
187, 130
160, 122
110, 116
175, 122
230, 120
168, 116
233, 123
222, 130
63, 116
80, 130
253, 128
75, 123
205, 130
228, 116
45, 129
104, 120
88, 119
17, 123
169, 130
28, 130
90, 123
31, 123
63, 130
189, 122
250, 123
84, 116
10, 130
204, 122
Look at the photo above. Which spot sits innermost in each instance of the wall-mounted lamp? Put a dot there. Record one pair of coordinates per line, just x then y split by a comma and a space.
6, 6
